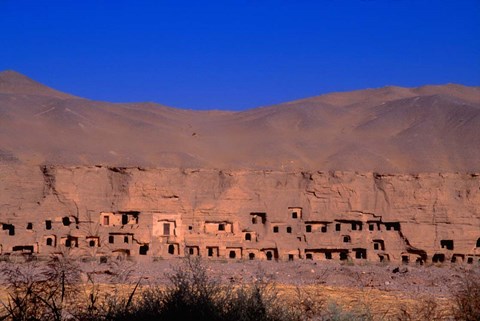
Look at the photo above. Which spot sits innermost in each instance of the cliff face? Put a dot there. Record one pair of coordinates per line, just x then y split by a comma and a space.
105, 211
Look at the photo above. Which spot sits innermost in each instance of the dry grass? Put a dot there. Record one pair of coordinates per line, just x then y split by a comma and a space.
372, 303
57, 292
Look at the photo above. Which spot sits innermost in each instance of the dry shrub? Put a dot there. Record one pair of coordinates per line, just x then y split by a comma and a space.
194, 295
51, 292
426, 308
40, 293
310, 304
467, 297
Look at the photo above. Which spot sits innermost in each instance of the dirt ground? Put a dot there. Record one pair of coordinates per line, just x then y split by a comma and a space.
408, 281
382, 289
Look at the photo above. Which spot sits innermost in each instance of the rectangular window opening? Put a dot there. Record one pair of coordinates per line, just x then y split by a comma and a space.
166, 228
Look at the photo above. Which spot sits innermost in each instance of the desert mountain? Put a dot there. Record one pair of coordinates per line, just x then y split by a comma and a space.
390, 129
12, 82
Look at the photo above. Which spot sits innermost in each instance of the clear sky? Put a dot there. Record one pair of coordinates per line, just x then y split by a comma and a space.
238, 54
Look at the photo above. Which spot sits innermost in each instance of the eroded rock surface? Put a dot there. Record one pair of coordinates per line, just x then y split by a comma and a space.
138, 212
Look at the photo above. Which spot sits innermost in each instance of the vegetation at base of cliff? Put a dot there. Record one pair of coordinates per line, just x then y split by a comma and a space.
467, 299
54, 292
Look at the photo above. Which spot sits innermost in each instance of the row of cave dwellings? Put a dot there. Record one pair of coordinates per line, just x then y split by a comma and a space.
124, 244
72, 237
348, 252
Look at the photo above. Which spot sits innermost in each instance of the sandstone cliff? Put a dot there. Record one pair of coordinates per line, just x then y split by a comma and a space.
104, 211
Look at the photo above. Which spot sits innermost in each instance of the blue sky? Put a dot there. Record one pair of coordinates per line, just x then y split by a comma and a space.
238, 54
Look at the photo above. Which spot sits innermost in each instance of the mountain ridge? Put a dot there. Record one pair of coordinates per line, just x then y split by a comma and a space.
388, 129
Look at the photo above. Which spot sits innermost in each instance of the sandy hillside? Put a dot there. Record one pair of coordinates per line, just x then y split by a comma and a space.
390, 129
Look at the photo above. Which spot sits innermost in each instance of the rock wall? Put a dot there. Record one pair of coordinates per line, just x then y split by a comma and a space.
144, 213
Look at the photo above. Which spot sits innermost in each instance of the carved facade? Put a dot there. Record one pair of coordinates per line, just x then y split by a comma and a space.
100, 212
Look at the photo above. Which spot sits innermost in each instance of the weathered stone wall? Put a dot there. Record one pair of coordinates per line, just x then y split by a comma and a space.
104, 211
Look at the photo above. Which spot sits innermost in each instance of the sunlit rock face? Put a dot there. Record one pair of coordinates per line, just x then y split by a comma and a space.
93, 211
